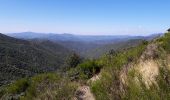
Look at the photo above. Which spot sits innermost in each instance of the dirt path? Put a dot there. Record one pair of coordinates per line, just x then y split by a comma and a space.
84, 92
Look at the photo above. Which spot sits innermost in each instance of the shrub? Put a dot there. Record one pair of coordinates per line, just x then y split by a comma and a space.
90, 67
44, 86
18, 86
50, 86
165, 41
73, 60
38, 80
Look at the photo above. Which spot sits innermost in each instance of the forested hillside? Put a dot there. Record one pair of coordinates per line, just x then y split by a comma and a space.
20, 58
111, 47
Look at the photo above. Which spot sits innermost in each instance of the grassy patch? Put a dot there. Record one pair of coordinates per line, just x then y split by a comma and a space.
43, 86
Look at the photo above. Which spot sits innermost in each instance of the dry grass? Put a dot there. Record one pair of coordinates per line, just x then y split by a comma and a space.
148, 71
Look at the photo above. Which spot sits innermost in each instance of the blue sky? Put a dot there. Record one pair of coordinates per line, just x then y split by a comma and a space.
134, 17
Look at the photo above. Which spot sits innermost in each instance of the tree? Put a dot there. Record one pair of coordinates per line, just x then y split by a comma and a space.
112, 52
73, 60
168, 30
90, 67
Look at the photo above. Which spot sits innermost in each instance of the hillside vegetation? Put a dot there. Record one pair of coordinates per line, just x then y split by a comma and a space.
141, 72
20, 58
49, 86
117, 46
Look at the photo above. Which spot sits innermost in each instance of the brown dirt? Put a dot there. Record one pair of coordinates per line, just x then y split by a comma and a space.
84, 93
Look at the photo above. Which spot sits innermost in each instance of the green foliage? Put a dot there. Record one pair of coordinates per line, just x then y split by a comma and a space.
108, 86
111, 47
43, 86
90, 67
18, 86
164, 83
165, 41
85, 70
123, 57
135, 88
36, 80
99, 91
52, 82
21, 58
73, 60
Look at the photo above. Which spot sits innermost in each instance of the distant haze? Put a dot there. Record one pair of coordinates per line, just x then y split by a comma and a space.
85, 17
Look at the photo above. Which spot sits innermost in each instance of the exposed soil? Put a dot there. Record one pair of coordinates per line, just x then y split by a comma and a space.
84, 93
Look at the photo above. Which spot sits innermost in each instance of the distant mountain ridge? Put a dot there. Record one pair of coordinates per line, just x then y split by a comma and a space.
84, 44
83, 38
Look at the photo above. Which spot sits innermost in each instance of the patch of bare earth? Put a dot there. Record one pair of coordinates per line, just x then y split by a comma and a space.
84, 93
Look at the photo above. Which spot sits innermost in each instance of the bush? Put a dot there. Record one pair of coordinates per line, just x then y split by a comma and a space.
108, 85
44, 86
165, 41
73, 60
90, 68
58, 86
38, 80
18, 86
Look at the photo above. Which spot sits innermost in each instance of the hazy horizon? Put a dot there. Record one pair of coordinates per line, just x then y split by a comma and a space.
45, 33
88, 17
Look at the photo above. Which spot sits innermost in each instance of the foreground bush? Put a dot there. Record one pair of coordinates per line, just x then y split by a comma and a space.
44, 86
90, 68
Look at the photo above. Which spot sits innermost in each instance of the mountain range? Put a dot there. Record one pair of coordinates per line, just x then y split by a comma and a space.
101, 39
83, 44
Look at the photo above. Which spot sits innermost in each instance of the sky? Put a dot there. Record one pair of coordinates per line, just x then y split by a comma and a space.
85, 17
